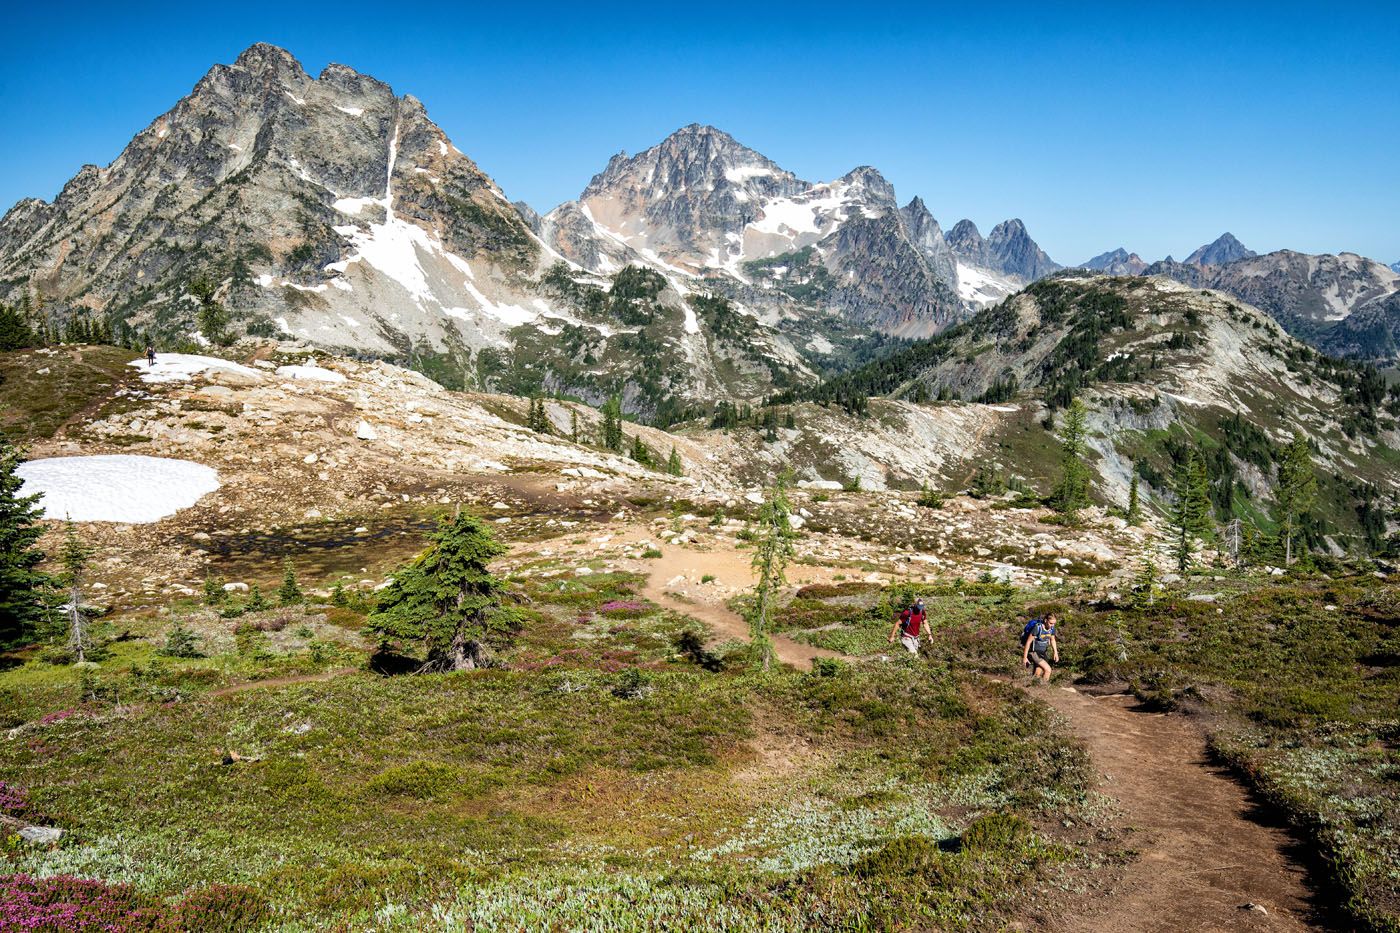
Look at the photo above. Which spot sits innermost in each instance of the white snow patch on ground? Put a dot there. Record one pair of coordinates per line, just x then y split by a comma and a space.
182, 367
116, 487
310, 373
353, 111
352, 205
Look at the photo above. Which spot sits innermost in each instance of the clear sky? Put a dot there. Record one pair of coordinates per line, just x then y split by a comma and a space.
1099, 125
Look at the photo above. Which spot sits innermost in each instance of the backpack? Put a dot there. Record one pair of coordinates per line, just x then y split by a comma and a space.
1029, 630
911, 621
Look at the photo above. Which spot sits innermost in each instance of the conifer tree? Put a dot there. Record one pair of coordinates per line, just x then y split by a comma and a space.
1180, 520
75, 555
22, 585
1199, 513
211, 316
789, 421
289, 593
612, 424
1072, 493
1145, 584
673, 463
641, 452
1297, 492
573, 425
1134, 513
445, 603
256, 601
771, 554
538, 420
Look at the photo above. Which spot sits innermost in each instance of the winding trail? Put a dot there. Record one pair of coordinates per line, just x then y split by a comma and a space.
1203, 854
680, 569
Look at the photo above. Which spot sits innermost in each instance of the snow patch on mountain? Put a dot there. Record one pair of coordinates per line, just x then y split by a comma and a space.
116, 487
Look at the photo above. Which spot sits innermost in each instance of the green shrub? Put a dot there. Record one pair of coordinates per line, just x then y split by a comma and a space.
417, 780
180, 642
997, 832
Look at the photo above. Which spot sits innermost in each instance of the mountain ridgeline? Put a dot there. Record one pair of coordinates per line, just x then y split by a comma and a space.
1167, 372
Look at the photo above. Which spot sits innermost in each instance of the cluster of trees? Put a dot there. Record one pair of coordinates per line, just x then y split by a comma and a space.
729, 416
612, 435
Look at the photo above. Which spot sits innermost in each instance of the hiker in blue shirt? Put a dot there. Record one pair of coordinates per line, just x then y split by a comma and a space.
1038, 646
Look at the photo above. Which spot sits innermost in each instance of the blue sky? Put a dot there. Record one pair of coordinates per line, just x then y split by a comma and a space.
1099, 125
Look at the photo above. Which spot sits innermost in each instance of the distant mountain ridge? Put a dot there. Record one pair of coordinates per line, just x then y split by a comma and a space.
1223, 250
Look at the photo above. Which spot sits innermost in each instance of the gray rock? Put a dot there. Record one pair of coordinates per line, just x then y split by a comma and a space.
41, 835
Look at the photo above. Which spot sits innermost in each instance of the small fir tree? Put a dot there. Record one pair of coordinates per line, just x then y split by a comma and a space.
22, 585
180, 642
1072, 493
1133, 515
641, 452
1297, 493
214, 592
573, 425
612, 424
1180, 519
772, 551
673, 463
1145, 584
289, 593
538, 420
256, 602
1200, 515
446, 604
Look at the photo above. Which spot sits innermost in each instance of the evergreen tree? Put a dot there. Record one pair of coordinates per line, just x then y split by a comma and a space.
538, 420
1199, 515
289, 593
641, 452
1072, 493
75, 555
1145, 584
211, 316
1134, 513
772, 551
789, 421
573, 425
22, 586
1297, 492
673, 463
1180, 521
214, 592
446, 603
15, 330
256, 602
612, 424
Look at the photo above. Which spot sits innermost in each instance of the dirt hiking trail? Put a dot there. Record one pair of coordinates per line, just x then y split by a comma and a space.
1202, 856
673, 581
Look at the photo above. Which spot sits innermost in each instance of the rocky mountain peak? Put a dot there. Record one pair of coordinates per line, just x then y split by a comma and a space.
265, 58
876, 186
966, 240
927, 235
1011, 251
1116, 262
1225, 249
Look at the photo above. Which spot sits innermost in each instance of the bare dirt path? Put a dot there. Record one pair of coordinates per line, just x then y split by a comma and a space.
1202, 856
673, 581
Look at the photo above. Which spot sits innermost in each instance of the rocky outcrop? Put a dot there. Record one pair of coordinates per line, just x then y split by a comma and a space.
927, 236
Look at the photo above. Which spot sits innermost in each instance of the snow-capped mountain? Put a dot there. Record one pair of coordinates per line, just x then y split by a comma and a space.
1395, 266
702, 208
331, 210
1000, 265
326, 208
1116, 262
1223, 250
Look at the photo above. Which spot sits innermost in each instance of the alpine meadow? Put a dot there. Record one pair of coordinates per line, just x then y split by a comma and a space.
718, 549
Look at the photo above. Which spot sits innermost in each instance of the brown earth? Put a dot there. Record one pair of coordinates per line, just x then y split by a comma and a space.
1206, 852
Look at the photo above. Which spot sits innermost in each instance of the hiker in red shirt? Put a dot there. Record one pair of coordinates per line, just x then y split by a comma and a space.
908, 626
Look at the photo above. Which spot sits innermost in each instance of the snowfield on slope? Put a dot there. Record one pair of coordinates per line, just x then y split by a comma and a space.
116, 487
183, 367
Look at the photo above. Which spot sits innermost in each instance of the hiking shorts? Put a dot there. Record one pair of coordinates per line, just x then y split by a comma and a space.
1036, 659
910, 643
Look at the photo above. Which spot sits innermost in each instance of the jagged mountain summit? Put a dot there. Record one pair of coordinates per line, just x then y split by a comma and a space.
329, 209
711, 213
993, 268
1223, 250
1116, 262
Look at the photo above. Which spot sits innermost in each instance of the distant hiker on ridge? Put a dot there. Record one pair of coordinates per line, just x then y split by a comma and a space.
1037, 643
908, 625
150, 354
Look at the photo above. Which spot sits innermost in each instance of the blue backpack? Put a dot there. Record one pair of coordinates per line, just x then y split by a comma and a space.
1029, 630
